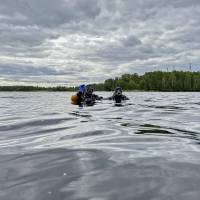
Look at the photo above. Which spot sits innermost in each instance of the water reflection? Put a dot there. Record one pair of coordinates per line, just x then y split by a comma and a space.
119, 105
145, 148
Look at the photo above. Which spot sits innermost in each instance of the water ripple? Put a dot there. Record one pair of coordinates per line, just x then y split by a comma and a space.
146, 148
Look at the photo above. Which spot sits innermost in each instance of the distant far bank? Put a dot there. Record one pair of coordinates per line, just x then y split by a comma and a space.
19, 88
175, 81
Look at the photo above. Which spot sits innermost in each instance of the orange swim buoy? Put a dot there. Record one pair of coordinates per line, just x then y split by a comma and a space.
74, 99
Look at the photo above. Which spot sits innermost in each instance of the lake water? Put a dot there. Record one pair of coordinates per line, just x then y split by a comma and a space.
148, 148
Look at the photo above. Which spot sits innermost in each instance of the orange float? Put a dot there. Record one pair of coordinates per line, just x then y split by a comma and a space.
74, 99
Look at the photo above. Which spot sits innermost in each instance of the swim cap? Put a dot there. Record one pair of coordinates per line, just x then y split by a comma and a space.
118, 89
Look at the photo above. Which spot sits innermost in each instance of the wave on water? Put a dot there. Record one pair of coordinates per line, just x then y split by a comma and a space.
146, 148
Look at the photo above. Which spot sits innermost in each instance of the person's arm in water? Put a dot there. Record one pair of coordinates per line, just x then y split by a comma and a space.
125, 97
109, 98
96, 97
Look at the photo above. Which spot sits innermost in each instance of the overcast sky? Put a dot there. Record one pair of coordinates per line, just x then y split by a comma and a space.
74, 41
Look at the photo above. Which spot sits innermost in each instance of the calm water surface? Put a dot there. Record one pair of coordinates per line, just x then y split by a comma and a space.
147, 148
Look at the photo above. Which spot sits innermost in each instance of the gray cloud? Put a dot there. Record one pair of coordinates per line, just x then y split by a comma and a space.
64, 41
48, 13
130, 41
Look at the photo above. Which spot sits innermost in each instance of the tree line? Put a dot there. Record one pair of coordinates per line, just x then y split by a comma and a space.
154, 81
174, 81
19, 88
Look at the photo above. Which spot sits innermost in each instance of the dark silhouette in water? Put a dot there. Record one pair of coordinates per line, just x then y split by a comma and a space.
118, 96
90, 97
85, 96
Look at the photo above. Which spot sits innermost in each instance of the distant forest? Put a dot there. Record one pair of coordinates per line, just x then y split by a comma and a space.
151, 81
155, 81
18, 88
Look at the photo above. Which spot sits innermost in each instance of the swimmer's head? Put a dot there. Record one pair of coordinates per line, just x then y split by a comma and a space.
90, 89
118, 91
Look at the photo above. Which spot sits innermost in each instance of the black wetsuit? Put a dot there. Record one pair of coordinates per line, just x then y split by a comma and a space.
80, 96
91, 98
87, 98
118, 98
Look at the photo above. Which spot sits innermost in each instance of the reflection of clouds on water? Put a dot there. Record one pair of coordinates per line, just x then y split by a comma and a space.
149, 147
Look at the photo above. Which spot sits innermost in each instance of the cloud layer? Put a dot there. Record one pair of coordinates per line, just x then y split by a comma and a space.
69, 42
